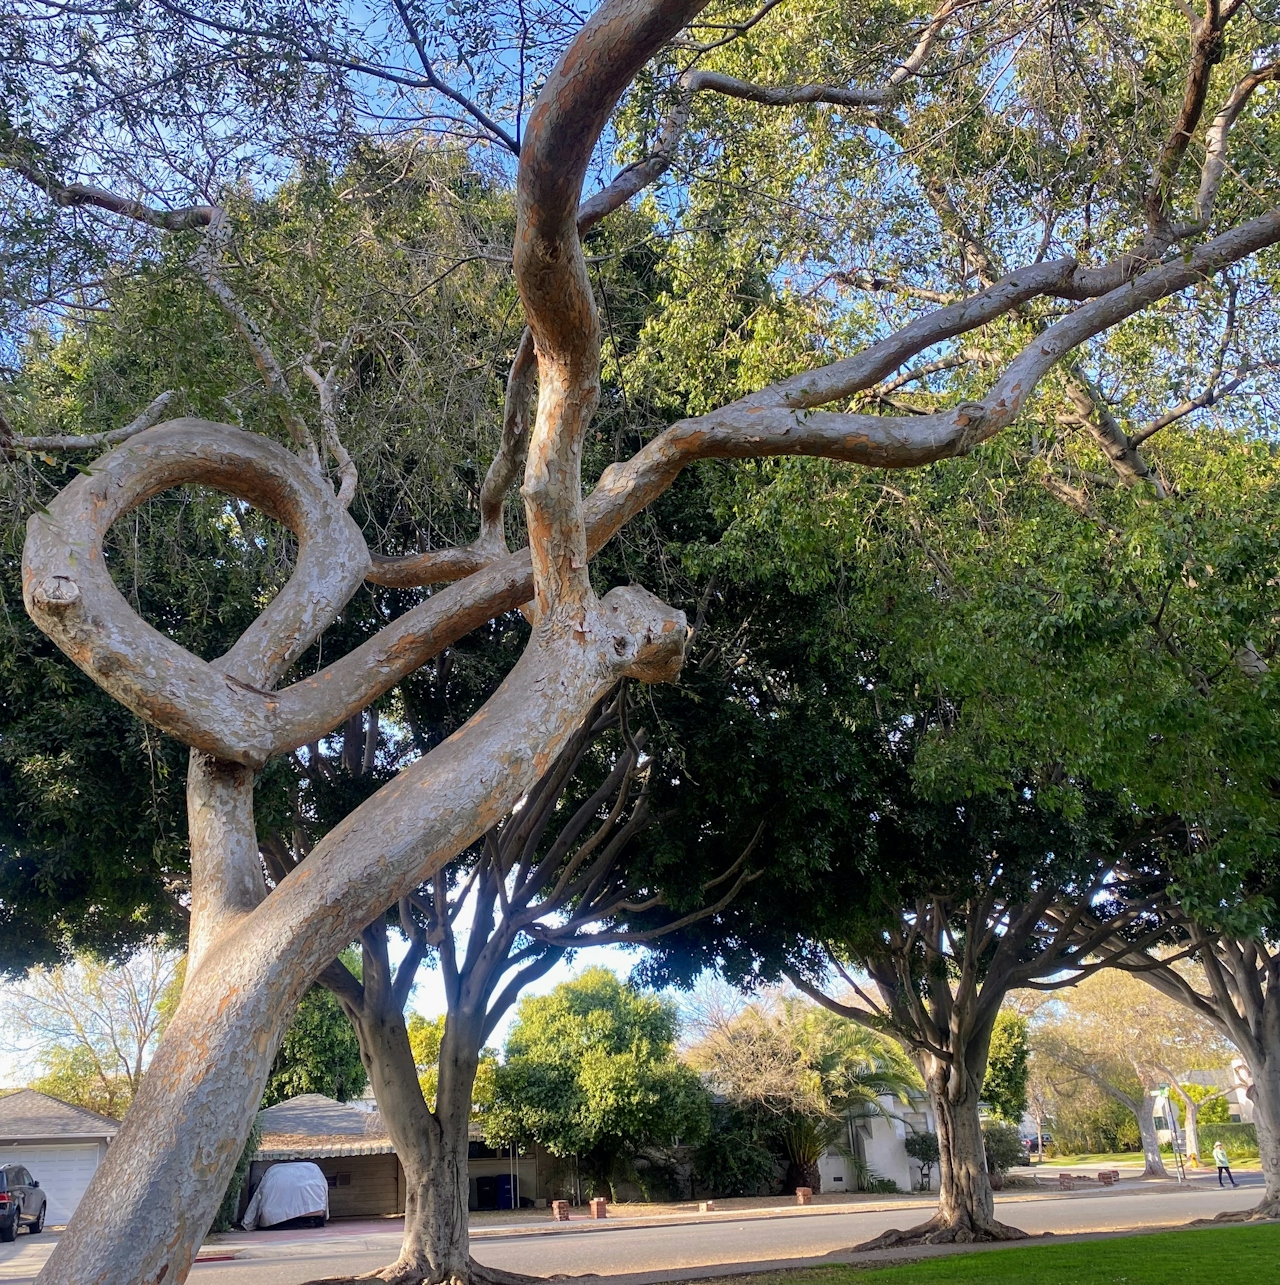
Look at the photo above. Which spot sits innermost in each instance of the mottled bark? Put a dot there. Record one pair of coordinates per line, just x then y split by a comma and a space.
1144, 1110
170, 1163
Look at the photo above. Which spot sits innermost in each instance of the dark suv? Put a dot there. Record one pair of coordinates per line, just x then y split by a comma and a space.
22, 1202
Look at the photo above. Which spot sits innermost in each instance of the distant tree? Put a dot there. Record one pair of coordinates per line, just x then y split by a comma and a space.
923, 1148
319, 1054
1129, 1041
591, 1073
806, 1067
1008, 1068
1003, 1147
95, 1025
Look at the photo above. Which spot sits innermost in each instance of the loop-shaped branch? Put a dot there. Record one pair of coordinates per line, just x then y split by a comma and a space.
220, 707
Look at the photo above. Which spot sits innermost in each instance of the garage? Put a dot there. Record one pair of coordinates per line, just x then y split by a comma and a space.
62, 1146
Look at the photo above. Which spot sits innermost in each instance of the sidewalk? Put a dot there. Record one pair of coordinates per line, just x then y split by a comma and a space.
385, 1233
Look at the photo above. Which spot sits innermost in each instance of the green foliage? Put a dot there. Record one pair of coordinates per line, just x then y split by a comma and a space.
1216, 1110
1088, 1121
319, 1054
225, 1218
591, 1072
1008, 1068
425, 1036
923, 1147
1004, 1147
739, 1156
74, 1075
1240, 1140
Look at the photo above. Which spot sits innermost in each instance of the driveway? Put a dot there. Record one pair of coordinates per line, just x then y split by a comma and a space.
671, 1247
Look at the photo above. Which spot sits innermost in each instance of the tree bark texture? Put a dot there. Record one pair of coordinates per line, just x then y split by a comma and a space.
254, 956
1144, 1108
171, 1160
432, 1145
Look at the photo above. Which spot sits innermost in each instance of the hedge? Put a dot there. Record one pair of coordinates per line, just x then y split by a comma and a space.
1239, 1139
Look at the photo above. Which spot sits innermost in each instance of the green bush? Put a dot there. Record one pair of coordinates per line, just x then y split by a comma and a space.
741, 1154
1004, 1147
1240, 1140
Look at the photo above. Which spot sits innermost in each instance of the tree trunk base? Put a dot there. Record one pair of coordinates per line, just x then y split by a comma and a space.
942, 1231
401, 1273
1267, 1211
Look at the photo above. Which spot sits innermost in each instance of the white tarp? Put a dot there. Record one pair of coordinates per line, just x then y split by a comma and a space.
296, 1189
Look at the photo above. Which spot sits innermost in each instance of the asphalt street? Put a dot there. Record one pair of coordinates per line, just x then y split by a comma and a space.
616, 1249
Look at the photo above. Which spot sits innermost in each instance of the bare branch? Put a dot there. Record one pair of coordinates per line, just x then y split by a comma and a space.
207, 259
80, 194
10, 441
441, 87
1215, 161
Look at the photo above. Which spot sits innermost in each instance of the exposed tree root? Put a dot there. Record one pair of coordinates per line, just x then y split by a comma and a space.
941, 1231
1268, 1211
401, 1273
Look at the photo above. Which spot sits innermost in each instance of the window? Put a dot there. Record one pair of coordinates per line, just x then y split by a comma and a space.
339, 1180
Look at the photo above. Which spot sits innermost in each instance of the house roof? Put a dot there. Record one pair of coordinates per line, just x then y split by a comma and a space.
26, 1114
312, 1126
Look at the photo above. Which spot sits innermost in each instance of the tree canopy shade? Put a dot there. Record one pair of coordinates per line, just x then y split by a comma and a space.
590, 1073
1121, 221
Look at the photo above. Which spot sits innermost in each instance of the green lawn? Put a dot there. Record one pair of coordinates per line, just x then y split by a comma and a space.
1247, 1255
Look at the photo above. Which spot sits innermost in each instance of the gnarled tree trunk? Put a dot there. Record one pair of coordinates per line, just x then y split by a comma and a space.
1144, 1109
966, 1205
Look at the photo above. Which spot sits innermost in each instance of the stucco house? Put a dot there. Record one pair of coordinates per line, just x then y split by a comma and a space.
62, 1146
879, 1141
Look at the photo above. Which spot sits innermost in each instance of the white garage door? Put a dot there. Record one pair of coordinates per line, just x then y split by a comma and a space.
63, 1173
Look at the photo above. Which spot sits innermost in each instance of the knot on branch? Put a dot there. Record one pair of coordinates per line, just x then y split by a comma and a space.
56, 593
646, 638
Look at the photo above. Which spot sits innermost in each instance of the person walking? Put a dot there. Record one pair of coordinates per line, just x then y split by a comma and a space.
1223, 1161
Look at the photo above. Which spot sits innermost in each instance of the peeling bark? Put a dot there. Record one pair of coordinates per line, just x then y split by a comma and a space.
174, 1154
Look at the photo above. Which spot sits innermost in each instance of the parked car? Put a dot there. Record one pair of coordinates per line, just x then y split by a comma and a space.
22, 1203
294, 1193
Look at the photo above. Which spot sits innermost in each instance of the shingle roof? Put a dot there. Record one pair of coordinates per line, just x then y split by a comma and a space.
311, 1126
28, 1114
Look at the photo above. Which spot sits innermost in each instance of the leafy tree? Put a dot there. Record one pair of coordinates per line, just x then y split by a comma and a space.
1128, 1041
95, 1025
318, 1054
1008, 1068
590, 1072
809, 1069
923, 1148
1004, 1147
1134, 225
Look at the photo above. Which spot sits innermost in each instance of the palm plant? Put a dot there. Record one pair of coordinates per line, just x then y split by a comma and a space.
813, 1069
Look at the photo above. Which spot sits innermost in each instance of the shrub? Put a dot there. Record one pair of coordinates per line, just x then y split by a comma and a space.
741, 1154
1240, 1140
1004, 1147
